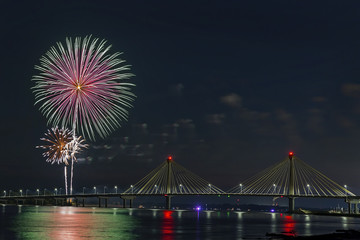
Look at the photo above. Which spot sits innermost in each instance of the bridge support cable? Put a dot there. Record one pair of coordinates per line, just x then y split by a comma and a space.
170, 178
291, 178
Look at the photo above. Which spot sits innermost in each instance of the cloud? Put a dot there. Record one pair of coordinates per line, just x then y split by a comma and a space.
253, 115
346, 122
177, 90
289, 126
215, 118
232, 100
185, 122
351, 89
319, 99
316, 120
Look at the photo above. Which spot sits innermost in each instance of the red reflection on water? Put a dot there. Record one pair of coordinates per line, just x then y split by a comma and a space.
289, 226
167, 226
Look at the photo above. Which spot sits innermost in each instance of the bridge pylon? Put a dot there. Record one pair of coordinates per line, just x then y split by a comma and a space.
170, 179
168, 184
291, 192
291, 178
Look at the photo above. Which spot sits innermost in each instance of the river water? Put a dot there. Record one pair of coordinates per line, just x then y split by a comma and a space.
33, 222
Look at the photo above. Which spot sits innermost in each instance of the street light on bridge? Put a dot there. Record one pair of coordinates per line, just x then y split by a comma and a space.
55, 189
308, 189
156, 189
94, 190
345, 186
4, 193
241, 187
132, 189
209, 188
20, 192
115, 189
180, 187
38, 191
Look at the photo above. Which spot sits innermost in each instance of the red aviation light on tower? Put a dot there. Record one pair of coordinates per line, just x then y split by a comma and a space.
291, 154
169, 159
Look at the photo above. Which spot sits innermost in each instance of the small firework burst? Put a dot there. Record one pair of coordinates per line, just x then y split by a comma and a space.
62, 145
75, 146
57, 149
83, 87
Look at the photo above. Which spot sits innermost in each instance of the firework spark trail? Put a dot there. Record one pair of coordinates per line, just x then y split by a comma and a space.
83, 86
65, 176
75, 146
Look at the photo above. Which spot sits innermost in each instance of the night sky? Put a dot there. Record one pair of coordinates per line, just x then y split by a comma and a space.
226, 87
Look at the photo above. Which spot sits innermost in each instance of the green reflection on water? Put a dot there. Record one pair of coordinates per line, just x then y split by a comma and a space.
74, 223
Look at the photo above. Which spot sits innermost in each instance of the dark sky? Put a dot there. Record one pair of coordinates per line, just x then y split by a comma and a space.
227, 87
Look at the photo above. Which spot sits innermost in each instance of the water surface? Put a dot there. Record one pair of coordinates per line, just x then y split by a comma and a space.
31, 222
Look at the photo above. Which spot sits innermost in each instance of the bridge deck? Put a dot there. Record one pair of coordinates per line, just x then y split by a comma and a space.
111, 195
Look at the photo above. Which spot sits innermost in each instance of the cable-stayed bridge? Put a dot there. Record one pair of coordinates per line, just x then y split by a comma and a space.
291, 178
170, 179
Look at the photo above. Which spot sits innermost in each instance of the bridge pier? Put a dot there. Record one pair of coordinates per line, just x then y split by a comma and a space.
356, 209
41, 200
80, 202
168, 201
350, 203
131, 200
105, 201
349, 208
61, 200
291, 204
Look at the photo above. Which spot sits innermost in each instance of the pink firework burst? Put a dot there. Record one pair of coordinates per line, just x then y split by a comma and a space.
83, 86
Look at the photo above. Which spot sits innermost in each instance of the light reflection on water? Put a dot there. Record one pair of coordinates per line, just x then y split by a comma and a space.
307, 225
167, 227
273, 222
27, 222
72, 223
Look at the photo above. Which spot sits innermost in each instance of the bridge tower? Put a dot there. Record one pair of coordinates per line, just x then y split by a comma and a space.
171, 179
291, 192
168, 183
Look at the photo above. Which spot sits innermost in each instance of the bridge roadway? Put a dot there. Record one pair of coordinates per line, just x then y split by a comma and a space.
79, 199
291, 176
